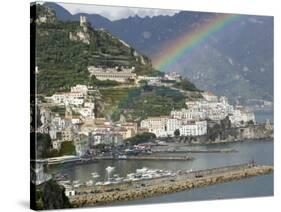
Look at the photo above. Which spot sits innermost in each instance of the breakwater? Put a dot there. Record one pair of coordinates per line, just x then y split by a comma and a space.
161, 186
196, 151
143, 157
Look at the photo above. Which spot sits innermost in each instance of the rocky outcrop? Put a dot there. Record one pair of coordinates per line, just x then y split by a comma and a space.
221, 135
166, 187
49, 195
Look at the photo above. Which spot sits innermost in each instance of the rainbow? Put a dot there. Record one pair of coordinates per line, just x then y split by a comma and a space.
172, 52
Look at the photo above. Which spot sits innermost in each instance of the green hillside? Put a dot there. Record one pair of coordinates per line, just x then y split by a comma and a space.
62, 57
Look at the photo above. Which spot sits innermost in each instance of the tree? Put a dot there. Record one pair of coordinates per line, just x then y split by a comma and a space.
41, 144
67, 148
141, 138
50, 195
251, 122
186, 85
177, 133
143, 82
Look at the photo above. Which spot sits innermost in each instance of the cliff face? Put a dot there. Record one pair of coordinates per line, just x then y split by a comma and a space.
49, 195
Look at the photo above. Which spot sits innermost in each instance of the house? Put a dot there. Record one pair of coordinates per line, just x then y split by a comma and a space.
156, 125
71, 98
69, 192
67, 134
56, 144
166, 126
193, 129
172, 125
76, 120
79, 89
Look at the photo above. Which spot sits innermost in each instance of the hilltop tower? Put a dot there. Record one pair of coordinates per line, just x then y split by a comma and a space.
83, 21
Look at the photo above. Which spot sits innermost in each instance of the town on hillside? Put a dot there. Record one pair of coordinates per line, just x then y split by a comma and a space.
69, 117
109, 125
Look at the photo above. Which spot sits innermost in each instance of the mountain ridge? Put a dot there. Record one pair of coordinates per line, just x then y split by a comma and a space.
252, 58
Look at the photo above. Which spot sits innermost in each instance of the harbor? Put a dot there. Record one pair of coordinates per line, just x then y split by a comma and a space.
260, 151
132, 179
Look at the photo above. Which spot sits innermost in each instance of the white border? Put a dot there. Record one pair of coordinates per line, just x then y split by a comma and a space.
14, 87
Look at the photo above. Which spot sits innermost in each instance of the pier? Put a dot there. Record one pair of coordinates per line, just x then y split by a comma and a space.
144, 157
148, 188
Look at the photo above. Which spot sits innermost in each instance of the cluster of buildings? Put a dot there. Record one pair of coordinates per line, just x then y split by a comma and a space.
192, 120
75, 97
79, 124
166, 126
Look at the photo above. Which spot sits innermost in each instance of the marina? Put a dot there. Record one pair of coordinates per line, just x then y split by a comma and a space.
107, 193
260, 151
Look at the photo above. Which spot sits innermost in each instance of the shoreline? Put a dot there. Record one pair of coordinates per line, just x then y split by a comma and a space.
94, 160
166, 186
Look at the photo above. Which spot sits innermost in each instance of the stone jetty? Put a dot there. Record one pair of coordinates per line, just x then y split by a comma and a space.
182, 182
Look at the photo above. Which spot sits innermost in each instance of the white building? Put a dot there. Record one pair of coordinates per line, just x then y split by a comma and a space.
69, 192
149, 79
79, 89
173, 76
114, 74
56, 144
240, 117
71, 98
76, 120
173, 124
156, 125
154, 122
194, 129
165, 126
88, 110
67, 134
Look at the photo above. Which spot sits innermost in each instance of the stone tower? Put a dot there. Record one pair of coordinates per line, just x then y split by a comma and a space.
83, 21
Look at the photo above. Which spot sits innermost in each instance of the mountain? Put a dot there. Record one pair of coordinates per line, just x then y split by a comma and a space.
62, 14
64, 50
237, 62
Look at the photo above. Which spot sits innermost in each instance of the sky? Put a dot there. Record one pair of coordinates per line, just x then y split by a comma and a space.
115, 13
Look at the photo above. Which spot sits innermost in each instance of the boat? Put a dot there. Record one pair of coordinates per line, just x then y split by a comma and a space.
77, 185
95, 175
122, 157
89, 183
119, 179
98, 183
107, 183
142, 170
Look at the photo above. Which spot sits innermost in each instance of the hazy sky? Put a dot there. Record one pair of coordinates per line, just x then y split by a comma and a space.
115, 13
